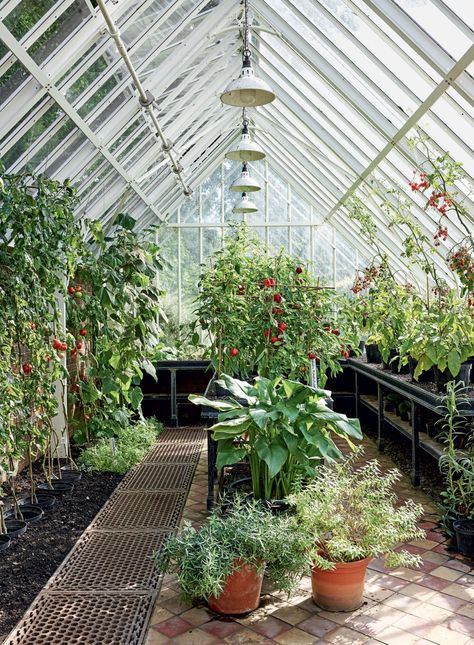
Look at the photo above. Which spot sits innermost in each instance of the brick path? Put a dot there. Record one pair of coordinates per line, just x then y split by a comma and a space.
434, 604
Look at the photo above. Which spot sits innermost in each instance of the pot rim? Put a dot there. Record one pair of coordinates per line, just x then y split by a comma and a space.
346, 565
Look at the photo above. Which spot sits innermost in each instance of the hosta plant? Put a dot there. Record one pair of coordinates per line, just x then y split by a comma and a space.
248, 533
284, 428
350, 513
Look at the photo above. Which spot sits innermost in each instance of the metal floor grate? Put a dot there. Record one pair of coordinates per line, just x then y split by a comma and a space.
110, 561
88, 619
152, 477
137, 510
103, 592
182, 435
177, 453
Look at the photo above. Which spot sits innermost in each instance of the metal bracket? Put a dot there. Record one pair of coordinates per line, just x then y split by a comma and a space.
148, 101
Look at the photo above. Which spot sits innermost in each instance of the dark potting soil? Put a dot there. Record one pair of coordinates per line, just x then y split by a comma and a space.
31, 559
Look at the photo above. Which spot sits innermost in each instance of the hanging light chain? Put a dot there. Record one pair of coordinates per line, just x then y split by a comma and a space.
246, 50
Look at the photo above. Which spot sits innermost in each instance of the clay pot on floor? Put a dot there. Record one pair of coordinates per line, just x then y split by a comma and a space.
342, 588
241, 592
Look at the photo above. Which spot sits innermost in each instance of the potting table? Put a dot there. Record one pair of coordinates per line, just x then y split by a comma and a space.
176, 381
366, 377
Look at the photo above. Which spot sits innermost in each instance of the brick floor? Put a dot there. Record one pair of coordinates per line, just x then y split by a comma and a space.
432, 605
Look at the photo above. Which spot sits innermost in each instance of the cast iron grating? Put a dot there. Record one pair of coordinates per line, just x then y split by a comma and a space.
159, 477
136, 510
87, 619
177, 453
110, 562
182, 435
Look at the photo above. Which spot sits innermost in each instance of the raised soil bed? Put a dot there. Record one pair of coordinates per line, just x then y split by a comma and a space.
32, 558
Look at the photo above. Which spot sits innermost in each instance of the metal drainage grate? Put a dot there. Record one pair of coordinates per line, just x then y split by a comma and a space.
141, 510
182, 435
177, 453
89, 619
110, 562
159, 477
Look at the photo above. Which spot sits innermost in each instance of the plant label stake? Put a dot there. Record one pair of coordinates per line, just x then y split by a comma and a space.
313, 373
113, 446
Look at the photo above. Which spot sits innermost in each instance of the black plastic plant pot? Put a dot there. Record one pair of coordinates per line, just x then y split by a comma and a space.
43, 500
465, 536
59, 487
5, 541
70, 475
31, 513
15, 527
373, 354
442, 378
389, 406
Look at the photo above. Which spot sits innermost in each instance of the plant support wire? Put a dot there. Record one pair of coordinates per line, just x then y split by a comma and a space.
145, 99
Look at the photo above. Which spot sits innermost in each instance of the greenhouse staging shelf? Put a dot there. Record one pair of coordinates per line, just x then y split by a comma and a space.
419, 399
428, 606
104, 591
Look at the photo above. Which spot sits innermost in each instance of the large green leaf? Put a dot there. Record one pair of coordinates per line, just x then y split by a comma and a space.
273, 453
135, 397
240, 389
230, 428
259, 416
350, 427
216, 405
454, 363
228, 453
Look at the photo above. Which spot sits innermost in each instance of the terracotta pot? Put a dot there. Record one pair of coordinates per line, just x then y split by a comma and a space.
241, 592
342, 588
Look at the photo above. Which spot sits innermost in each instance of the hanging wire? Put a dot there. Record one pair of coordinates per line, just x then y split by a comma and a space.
246, 52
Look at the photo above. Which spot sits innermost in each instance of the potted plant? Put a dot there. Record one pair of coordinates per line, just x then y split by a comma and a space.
285, 429
266, 314
351, 515
442, 336
457, 466
223, 562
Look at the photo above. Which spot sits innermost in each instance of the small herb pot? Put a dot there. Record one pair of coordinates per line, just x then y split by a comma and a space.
241, 592
465, 536
373, 354
58, 487
15, 528
43, 500
341, 588
5, 541
31, 513
70, 475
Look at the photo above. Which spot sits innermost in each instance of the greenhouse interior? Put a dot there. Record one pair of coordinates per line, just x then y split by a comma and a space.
237, 322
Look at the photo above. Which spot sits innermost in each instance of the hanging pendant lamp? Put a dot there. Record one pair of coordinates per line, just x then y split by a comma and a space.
245, 183
247, 90
246, 149
245, 205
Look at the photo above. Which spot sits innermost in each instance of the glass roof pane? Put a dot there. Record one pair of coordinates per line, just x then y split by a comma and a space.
25, 16
59, 30
438, 25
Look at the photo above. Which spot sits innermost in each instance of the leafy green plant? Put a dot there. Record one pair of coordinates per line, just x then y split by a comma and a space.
248, 533
120, 453
285, 429
456, 464
39, 248
440, 336
113, 310
350, 513
266, 314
